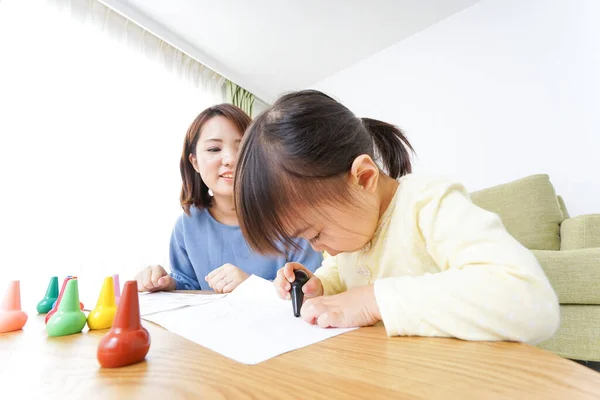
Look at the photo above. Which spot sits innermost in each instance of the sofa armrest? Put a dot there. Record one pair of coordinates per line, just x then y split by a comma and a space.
582, 232
574, 274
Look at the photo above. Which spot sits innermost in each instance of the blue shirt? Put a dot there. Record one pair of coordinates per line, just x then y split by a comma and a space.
200, 244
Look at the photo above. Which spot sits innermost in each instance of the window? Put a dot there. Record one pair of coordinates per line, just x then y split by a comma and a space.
90, 140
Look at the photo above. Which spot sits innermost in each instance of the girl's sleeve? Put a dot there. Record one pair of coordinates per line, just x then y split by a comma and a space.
330, 277
306, 256
490, 288
181, 267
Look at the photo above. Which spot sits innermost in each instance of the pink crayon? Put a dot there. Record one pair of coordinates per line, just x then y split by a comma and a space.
117, 288
12, 318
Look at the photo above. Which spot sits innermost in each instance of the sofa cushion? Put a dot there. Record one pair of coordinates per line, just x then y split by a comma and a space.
578, 335
528, 208
574, 274
581, 232
563, 207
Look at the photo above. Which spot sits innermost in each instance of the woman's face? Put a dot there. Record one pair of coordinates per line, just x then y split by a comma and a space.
216, 155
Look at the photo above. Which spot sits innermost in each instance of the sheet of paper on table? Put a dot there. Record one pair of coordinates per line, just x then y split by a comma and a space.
250, 325
151, 303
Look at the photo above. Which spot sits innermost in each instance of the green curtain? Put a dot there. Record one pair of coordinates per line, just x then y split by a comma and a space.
240, 97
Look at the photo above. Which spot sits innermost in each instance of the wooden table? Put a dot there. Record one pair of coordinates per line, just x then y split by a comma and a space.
360, 364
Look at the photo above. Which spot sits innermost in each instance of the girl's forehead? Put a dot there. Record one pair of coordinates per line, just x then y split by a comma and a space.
301, 231
305, 219
296, 223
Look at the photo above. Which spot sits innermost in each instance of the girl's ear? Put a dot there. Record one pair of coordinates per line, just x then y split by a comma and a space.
194, 162
364, 173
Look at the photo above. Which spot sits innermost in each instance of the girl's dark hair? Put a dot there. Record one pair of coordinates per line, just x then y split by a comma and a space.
297, 154
193, 190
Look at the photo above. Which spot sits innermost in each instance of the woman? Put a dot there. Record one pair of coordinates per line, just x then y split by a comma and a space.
207, 248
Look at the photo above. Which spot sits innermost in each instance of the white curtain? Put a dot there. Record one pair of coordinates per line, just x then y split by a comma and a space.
90, 140
115, 26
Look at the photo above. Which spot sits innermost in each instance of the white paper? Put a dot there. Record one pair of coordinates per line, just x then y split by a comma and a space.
151, 303
250, 325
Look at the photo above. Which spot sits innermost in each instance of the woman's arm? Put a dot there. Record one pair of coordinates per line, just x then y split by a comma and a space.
182, 270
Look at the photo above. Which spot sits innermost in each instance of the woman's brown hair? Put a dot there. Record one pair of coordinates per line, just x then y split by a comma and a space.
194, 191
297, 154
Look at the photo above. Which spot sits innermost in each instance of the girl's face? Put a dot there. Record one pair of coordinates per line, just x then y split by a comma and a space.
342, 227
216, 155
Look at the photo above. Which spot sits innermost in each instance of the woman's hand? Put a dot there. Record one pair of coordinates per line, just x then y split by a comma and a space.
353, 308
225, 278
154, 279
285, 275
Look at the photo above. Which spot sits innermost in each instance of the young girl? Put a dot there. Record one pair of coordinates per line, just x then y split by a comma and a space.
207, 248
407, 249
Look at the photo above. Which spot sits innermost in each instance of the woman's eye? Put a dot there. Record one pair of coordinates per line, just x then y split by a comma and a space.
314, 239
214, 150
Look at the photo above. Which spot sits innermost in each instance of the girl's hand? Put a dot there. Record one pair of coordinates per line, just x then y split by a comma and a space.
225, 278
154, 279
312, 288
353, 308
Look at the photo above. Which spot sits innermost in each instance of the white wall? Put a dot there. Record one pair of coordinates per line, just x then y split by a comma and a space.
501, 90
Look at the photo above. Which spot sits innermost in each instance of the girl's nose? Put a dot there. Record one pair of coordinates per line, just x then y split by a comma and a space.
316, 248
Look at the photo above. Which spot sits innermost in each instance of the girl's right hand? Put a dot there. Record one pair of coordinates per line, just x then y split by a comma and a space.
285, 276
154, 279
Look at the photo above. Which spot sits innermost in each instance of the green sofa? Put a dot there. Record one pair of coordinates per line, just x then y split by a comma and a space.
568, 250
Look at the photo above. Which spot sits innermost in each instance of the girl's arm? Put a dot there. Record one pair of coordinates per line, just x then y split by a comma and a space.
329, 276
490, 287
182, 269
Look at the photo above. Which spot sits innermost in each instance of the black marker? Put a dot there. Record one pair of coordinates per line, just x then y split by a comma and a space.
296, 291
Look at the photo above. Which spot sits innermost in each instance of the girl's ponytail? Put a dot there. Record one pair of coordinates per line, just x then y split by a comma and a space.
391, 145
